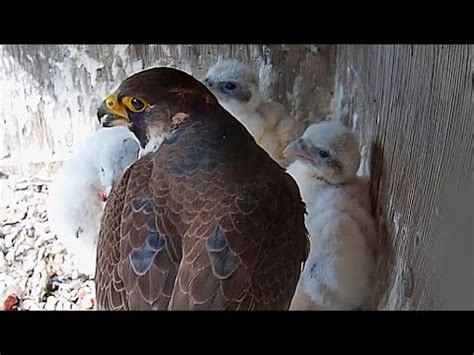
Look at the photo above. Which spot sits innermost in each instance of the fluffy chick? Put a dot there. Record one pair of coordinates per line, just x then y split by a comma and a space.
81, 187
338, 274
236, 87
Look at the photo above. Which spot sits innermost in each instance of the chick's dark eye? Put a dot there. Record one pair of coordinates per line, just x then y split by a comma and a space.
230, 86
323, 153
137, 104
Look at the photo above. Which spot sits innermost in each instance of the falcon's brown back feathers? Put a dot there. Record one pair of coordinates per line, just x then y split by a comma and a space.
208, 221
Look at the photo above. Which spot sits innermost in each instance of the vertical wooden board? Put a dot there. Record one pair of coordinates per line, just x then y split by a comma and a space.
412, 106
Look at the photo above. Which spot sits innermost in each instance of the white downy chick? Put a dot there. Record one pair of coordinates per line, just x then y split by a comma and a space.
338, 274
81, 187
236, 87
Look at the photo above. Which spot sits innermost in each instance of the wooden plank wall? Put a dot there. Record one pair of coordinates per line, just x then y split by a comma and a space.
413, 107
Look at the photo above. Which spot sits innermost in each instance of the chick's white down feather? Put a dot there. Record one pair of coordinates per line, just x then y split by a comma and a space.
338, 273
268, 121
75, 204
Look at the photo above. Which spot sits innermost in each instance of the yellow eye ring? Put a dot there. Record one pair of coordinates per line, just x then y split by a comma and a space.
134, 104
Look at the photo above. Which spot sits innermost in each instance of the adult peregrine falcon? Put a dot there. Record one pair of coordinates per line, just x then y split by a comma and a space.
206, 220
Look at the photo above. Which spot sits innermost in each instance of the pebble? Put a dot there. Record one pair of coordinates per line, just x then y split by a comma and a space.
38, 187
58, 259
21, 186
51, 302
19, 250
85, 301
63, 306
37, 306
9, 239
10, 257
6, 229
29, 264
30, 232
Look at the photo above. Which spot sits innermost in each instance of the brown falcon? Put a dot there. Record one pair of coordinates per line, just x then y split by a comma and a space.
206, 220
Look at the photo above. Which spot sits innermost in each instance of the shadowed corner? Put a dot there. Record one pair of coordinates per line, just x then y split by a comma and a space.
455, 251
384, 276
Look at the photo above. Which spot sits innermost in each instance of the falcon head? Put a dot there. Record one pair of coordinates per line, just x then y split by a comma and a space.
154, 102
329, 149
233, 82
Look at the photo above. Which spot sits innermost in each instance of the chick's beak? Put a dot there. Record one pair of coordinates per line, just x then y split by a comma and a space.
299, 150
112, 113
294, 149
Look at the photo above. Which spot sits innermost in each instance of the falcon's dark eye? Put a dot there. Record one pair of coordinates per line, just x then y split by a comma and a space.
134, 104
323, 153
137, 104
230, 86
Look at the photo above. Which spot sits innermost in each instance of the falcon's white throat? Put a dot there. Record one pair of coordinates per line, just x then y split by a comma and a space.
156, 137
154, 142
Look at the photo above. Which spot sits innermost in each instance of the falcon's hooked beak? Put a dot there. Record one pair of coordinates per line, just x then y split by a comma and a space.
114, 112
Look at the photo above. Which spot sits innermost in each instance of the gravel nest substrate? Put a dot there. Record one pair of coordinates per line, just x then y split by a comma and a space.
36, 272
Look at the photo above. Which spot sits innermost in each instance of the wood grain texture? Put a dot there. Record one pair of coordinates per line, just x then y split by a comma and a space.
50, 92
413, 107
